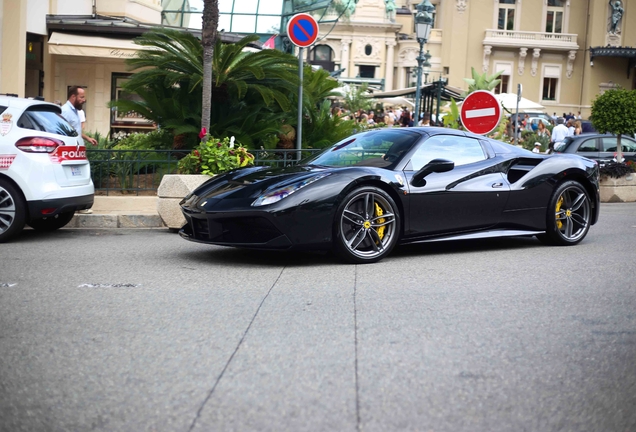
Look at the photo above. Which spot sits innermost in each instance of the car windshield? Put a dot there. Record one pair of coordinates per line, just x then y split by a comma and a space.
560, 146
46, 118
382, 148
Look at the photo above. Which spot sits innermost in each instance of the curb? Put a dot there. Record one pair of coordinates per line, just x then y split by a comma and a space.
116, 221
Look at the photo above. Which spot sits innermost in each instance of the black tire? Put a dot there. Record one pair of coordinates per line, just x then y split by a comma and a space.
367, 226
12, 211
52, 223
568, 216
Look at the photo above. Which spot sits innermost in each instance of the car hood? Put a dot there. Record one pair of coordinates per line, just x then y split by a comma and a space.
252, 182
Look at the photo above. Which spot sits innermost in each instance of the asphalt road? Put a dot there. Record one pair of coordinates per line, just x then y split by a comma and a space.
139, 330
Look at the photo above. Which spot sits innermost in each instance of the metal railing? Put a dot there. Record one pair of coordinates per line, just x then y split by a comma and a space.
139, 172
565, 41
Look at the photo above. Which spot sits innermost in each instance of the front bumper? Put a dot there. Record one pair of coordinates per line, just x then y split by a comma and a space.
296, 228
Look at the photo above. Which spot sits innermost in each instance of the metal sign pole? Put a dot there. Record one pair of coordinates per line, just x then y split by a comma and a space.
299, 128
519, 90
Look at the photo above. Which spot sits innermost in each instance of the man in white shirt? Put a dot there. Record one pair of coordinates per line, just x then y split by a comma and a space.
70, 111
559, 133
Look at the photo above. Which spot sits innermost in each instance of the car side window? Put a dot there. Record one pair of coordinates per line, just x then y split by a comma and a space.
628, 145
461, 150
609, 144
588, 146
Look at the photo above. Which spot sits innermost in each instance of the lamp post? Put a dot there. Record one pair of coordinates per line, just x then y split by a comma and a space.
426, 66
423, 24
426, 69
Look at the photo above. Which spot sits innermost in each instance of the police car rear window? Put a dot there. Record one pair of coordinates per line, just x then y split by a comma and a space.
46, 119
2, 108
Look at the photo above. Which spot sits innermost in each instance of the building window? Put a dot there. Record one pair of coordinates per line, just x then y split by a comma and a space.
322, 55
129, 121
550, 82
503, 85
550, 88
367, 71
554, 16
506, 17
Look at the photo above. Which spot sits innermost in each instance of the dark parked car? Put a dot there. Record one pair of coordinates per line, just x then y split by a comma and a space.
601, 148
587, 126
374, 190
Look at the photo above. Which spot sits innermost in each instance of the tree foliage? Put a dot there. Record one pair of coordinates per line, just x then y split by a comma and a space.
251, 90
615, 112
482, 81
357, 98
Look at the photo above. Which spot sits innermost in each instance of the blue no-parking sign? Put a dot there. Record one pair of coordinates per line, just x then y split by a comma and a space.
302, 30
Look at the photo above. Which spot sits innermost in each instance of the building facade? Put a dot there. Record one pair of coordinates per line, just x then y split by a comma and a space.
47, 46
563, 52
556, 49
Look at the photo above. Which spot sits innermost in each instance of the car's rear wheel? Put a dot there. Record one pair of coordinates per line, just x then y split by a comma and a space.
569, 215
367, 226
12, 211
51, 223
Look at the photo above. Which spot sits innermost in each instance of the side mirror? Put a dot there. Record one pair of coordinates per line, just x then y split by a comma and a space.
436, 165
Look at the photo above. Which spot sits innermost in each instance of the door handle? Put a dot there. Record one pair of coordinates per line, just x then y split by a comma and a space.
497, 185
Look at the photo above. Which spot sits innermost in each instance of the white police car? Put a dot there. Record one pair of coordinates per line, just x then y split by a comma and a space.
44, 173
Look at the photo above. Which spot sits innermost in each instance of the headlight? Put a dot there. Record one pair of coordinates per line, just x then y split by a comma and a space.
273, 196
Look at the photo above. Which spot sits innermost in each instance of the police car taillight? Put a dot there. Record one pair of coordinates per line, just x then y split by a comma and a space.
38, 145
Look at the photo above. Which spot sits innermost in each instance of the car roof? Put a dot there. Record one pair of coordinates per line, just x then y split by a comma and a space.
596, 135
23, 103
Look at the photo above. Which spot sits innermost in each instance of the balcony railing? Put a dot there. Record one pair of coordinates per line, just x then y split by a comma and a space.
526, 39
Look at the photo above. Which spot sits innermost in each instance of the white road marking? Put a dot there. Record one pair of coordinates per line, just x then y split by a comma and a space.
115, 285
484, 112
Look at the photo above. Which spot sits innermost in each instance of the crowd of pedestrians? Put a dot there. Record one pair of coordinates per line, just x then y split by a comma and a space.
400, 117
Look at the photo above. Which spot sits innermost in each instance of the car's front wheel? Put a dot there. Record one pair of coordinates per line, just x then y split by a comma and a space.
569, 215
12, 211
52, 223
367, 226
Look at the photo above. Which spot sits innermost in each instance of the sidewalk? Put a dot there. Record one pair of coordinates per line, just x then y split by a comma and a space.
120, 212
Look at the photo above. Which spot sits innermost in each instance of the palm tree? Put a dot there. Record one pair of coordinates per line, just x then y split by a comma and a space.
482, 81
208, 39
357, 98
169, 79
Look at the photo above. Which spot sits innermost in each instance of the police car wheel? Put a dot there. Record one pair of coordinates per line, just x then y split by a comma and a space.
12, 211
52, 223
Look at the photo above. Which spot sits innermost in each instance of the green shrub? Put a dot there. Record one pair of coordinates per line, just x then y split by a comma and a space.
528, 138
617, 170
214, 156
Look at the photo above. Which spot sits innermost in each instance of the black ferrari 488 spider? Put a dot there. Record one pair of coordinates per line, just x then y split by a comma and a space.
374, 190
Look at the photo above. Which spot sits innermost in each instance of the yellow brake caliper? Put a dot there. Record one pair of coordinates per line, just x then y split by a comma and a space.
559, 224
379, 212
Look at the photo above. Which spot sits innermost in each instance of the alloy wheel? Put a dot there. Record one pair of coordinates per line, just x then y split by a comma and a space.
7, 210
572, 214
368, 225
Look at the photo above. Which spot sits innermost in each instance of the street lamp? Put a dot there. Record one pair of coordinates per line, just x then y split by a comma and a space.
423, 24
426, 66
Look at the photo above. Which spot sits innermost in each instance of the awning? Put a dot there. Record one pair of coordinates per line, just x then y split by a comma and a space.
91, 46
509, 101
446, 93
628, 52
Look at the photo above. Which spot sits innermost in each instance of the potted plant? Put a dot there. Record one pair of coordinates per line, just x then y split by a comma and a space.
212, 156
615, 112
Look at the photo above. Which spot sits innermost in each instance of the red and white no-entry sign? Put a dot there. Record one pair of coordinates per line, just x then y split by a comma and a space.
481, 112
